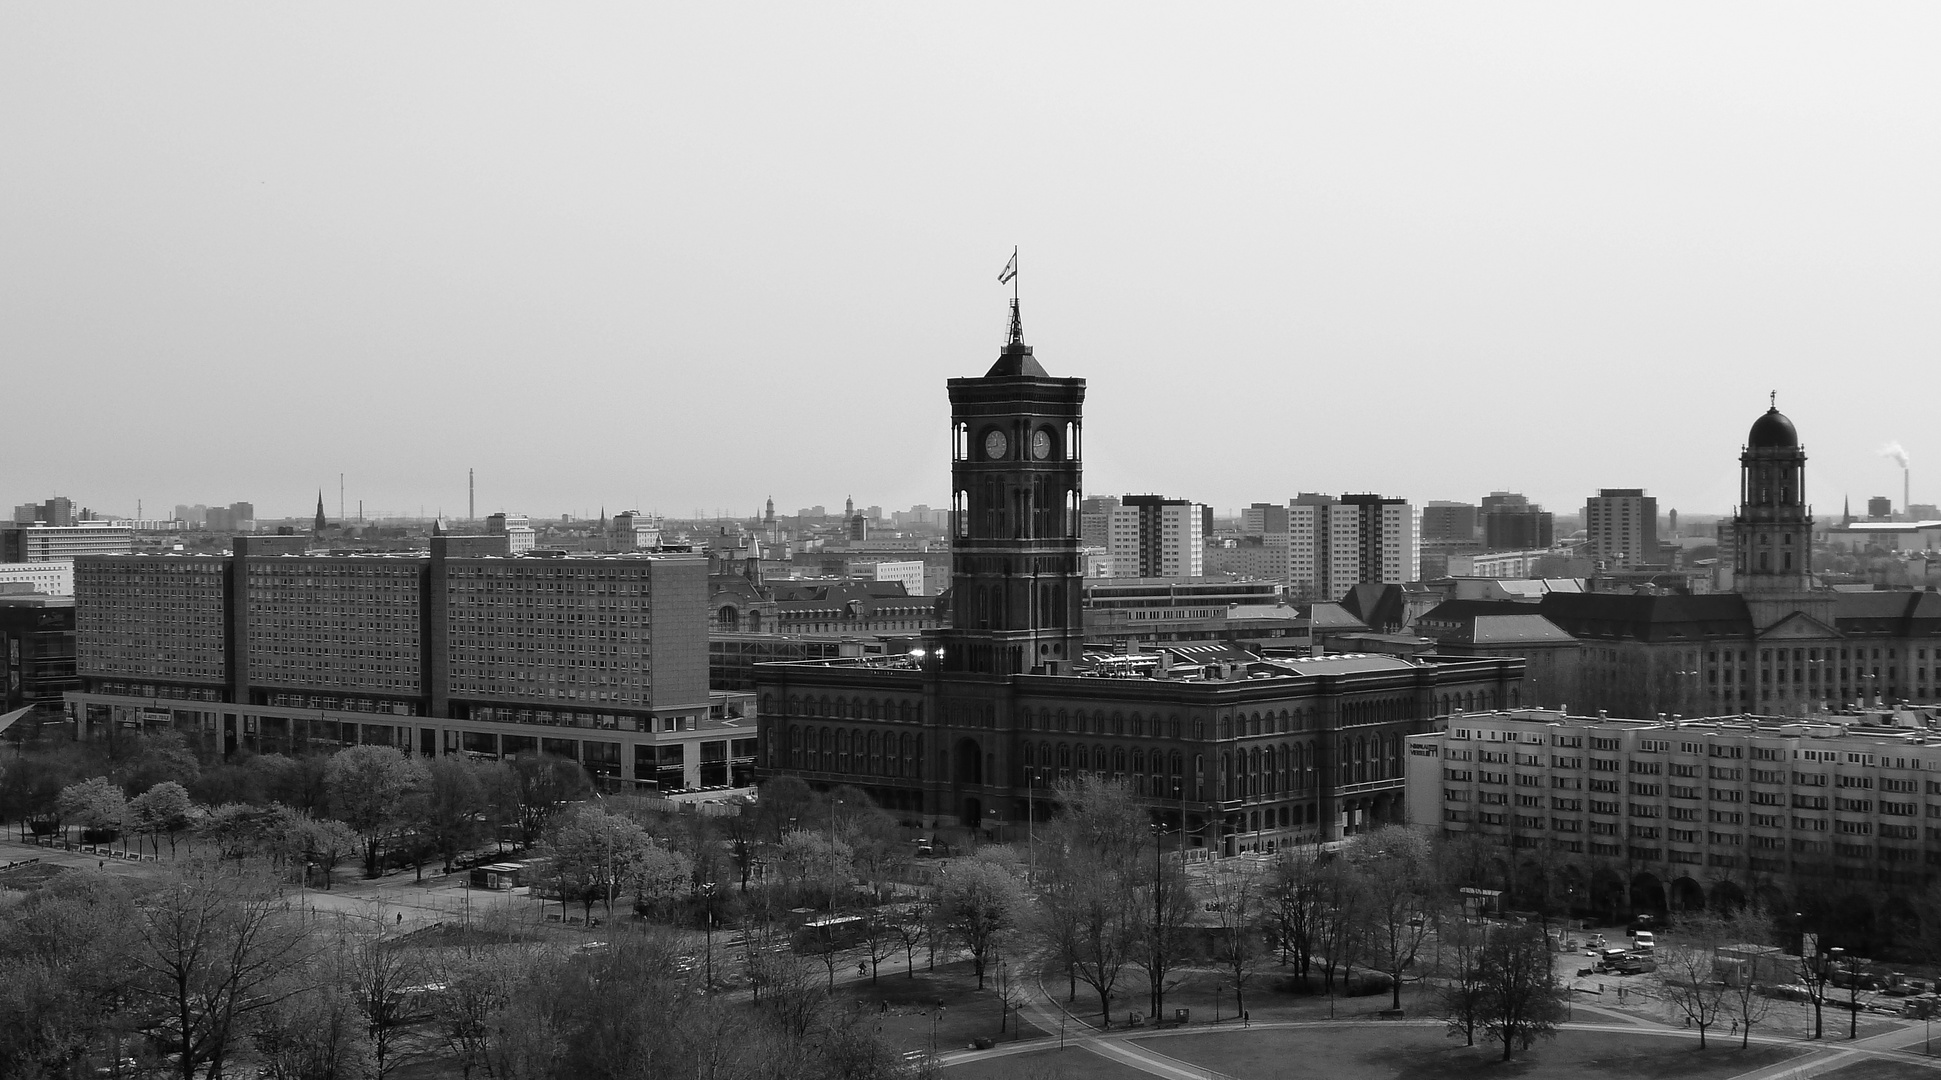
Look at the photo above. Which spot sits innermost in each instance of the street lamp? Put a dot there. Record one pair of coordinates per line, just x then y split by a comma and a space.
832, 855
707, 923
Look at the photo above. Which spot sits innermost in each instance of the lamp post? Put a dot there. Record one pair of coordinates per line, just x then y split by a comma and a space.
834, 877
707, 923
1158, 903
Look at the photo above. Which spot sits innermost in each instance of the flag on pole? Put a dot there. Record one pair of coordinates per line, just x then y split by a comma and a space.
1010, 269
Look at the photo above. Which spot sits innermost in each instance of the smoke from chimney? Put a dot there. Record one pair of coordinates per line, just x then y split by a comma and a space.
1899, 453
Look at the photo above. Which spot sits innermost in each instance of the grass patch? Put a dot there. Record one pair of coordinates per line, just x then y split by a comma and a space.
1071, 1063
32, 876
905, 1006
1396, 1052
1876, 1069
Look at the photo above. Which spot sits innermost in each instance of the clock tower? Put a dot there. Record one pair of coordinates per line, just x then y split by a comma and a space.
1015, 575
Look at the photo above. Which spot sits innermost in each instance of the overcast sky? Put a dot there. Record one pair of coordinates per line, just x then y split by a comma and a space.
690, 256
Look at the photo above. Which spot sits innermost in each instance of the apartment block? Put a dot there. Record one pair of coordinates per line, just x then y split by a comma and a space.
54, 577
1622, 526
46, 543
1153, 536
467, 648
1642, 814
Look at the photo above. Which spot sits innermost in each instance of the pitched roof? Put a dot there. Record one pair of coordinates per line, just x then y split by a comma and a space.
1376, 604
1671, 617
1897, 612
1527, 629
1016, 359
1454, 611
1330, 616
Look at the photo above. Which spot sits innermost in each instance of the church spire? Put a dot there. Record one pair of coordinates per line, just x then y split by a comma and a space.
319, 526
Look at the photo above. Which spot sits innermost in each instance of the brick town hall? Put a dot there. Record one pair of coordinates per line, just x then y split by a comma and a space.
1239, 752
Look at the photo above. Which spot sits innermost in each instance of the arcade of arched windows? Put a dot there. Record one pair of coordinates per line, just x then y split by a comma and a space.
1249, 723
898, 711
857, 751
1469, 701
1117, 723
1151, 771
1293, 769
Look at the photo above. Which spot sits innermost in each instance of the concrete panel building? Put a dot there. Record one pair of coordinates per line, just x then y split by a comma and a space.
465, 648
1615, 816
1622, 527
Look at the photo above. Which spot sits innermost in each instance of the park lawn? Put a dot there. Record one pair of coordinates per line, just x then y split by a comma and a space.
904, 1007
1071, 1063
1377, 1051
1207, 995
1877, 1069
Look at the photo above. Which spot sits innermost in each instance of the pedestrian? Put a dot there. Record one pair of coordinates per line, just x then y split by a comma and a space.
400, 918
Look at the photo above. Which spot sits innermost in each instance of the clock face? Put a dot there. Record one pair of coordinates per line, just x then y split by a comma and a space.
1041, 444
995, 444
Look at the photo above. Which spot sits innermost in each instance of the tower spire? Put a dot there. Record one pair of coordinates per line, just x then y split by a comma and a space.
320, 522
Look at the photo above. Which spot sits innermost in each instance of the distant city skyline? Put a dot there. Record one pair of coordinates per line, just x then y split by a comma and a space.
672, 258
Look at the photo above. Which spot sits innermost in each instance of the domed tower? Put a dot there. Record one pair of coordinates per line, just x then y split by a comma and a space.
1774, 525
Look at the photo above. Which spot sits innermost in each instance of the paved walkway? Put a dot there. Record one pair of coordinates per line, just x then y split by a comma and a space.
1131, 1047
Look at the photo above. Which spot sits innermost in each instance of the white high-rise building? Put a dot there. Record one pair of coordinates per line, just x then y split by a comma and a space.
1325, 546
1152, 536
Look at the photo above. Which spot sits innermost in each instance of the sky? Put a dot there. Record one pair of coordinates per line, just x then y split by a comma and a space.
688, 257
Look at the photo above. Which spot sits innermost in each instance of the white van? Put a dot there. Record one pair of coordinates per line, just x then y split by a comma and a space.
1644, 942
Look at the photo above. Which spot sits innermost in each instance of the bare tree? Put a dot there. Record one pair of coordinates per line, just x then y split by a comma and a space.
880, 939
1240, 944
1165, 907
1397, 886
1465, 986
1291, 897
1338, 921
1524, 1002
1747, 1002
211, 951
381, 976
911, 923
1814, 973
316, 1033
1689, 962
1089, 915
